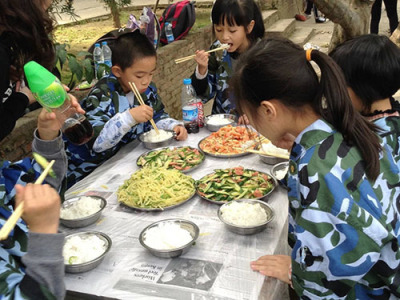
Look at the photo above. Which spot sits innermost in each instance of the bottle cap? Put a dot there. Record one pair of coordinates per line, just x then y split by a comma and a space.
187, 81
104, 43
97, 45
38, 77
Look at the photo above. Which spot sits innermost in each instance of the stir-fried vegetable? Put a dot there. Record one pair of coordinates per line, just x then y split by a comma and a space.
180, 158
234, 183
228, 140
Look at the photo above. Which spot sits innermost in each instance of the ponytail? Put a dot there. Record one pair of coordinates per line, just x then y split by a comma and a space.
337, 109
276, 68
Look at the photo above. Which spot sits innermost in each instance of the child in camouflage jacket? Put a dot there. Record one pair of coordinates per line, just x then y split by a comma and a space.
115, 114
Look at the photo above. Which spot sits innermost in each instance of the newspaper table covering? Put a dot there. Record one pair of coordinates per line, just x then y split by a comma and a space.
216, 267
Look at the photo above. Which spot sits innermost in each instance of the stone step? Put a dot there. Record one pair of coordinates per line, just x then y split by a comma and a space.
302, 35
282, 28
270, 17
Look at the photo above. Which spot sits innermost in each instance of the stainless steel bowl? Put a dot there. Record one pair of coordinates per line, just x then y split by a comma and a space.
85, 221
214, 127
271, 160
247, 230
279, 167
154, 145
170, 253
87, 266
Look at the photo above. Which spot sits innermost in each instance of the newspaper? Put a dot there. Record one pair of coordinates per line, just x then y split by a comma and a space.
216, 267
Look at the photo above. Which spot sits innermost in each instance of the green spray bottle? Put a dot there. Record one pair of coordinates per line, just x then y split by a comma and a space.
50, 93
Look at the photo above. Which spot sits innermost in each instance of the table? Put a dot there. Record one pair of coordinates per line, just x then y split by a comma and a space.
216, 267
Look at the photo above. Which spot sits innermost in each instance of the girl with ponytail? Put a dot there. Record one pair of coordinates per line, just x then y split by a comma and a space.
342, 186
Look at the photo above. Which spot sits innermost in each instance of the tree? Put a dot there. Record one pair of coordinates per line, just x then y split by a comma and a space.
351, 18
115, 6
396, 36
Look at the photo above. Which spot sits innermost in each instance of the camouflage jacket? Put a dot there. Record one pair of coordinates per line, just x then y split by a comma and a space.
18, 273
345, 229
215, 84
104, 101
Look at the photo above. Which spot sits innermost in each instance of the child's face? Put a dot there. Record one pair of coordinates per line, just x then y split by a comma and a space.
235, 36
140, 73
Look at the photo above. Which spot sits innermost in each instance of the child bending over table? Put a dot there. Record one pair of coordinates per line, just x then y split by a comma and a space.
113, 110
371, 66
343, 189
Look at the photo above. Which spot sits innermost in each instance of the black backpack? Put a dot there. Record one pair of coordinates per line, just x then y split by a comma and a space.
181, 15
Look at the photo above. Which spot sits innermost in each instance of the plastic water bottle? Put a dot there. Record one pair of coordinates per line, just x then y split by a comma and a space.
200, 114
168, 33
106, 54
97, 58
189, 107
50, 93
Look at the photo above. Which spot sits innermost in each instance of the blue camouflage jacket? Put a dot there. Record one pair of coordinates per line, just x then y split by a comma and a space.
105, 101
344, 228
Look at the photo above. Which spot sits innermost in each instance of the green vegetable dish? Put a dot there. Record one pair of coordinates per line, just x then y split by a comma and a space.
225, 185
180, 158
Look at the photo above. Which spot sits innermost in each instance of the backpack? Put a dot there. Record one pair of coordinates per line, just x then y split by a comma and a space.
181, 15
151, 27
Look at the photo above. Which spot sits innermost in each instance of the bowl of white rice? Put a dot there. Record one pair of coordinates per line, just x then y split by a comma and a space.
151, 139
169, 238
84, 251
81, 211
246, 216
217, 121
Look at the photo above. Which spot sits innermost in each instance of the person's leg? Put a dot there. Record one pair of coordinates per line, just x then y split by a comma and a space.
391, 11
376, 16
315, 11
309, 7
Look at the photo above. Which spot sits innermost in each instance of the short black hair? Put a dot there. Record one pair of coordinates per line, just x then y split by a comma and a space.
241, 13
371, 65
130, 47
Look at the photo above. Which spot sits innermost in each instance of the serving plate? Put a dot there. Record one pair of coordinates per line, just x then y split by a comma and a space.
141, 157
220, 155
263, 197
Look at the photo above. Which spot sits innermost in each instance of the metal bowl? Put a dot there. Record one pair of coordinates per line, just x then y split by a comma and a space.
279, 167
154, 145
87, 266
170, 253
215, 127
85, 221
272, 160
247, 230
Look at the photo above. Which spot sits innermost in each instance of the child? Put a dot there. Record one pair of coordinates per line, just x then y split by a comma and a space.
31, 262
115, 114
342, 189
239, 24
371, 66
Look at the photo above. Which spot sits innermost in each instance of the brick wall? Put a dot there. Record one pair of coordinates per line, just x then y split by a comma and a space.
168, 79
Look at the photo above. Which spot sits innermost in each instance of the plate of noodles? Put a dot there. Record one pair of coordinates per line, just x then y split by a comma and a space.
156, 189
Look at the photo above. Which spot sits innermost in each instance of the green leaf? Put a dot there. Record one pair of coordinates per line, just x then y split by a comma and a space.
84, 53
89, 70
75, 68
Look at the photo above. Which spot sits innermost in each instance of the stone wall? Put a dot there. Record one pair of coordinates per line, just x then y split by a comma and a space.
168, 79
286, 8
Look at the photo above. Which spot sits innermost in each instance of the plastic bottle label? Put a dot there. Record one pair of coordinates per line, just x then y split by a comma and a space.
53, 96
108, 63
170, 38
190, 113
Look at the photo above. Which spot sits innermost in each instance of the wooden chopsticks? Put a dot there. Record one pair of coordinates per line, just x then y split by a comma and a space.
13, 219
139, 97
183, 59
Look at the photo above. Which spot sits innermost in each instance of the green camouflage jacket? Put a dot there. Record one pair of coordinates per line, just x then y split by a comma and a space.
345, 229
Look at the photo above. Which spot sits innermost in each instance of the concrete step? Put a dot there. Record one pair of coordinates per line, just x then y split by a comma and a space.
283, 28
270, 17
302, 35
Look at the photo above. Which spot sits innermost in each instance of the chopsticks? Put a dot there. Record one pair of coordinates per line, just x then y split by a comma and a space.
186, 58
139, 97
13, 219
268, 153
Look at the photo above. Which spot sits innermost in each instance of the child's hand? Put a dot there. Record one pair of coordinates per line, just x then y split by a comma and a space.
75, 103
142, 113
202, 61
48, 125
276, 266
181, 132
243, 120
41, 207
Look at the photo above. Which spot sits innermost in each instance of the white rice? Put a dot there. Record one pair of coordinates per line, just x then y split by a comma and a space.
244, 214
153, 137
79, 250
168, 235
280, 174
216, 120
271, 148
81, 208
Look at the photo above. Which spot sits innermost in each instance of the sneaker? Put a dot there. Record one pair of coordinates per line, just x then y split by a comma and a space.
307, 15
320, 20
